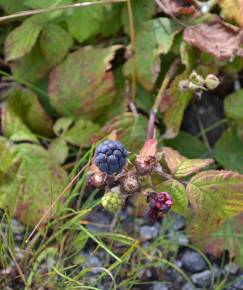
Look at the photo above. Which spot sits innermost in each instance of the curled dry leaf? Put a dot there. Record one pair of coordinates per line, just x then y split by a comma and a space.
96, 178
147, 156
179, 7
217, 38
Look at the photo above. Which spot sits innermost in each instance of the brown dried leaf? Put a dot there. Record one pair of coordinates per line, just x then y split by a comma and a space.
218, 38
149, 149
180, 166
232, 10
147, 156
179, 7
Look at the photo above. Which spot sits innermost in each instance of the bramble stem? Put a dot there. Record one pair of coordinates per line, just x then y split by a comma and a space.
153, 113
62, 7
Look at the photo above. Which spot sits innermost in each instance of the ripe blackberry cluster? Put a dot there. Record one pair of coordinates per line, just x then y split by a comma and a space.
110, 157
159, 204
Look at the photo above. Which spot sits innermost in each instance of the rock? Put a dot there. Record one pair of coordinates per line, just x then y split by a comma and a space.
193, 262
17, 227
159, 286
202, 279
231, 268
93, 262
178, 224
238, 283
100, 221
149, 232
178, 237
145, 274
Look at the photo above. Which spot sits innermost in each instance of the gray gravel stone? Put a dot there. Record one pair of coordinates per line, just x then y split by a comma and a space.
238, 284
231, 268
193, 262
159, 286
202, 279
178, 224
93, 262
148, 232
17, 227
100, 221
178, 237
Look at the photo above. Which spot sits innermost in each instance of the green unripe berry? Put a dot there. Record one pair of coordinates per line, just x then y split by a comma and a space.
111, 201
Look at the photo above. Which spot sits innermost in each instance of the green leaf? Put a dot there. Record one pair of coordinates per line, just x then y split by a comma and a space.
233, 105
130, 130
81, 133
142, 10
23, 112
55, 43
215, 197
180, 166
155, 38
228, 151
187, 145
85, 22
81, 86
62, 125
174, 105
8, 159
58, 149
179, 195
31, 67
36, 184
21, 40
12, 6
37, 4
111, 21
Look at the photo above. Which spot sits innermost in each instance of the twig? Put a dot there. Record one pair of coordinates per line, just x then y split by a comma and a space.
161, 5
62, 7
155, 108
134, 62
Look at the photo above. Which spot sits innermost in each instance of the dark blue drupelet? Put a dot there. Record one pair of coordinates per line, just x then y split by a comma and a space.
110, 157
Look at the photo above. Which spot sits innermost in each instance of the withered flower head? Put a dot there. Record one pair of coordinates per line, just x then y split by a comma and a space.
146, 159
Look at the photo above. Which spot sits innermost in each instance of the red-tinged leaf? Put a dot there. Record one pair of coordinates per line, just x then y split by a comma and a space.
82, 85
179, 7
30, 189
229, 237
217, 38
180, 166
174, 103
215, 197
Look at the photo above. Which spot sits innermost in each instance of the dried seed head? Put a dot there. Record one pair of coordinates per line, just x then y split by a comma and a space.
97, 179
146, 159
130, 183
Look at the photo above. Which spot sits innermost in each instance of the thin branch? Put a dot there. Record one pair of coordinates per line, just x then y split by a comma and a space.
62, 7
158, 100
